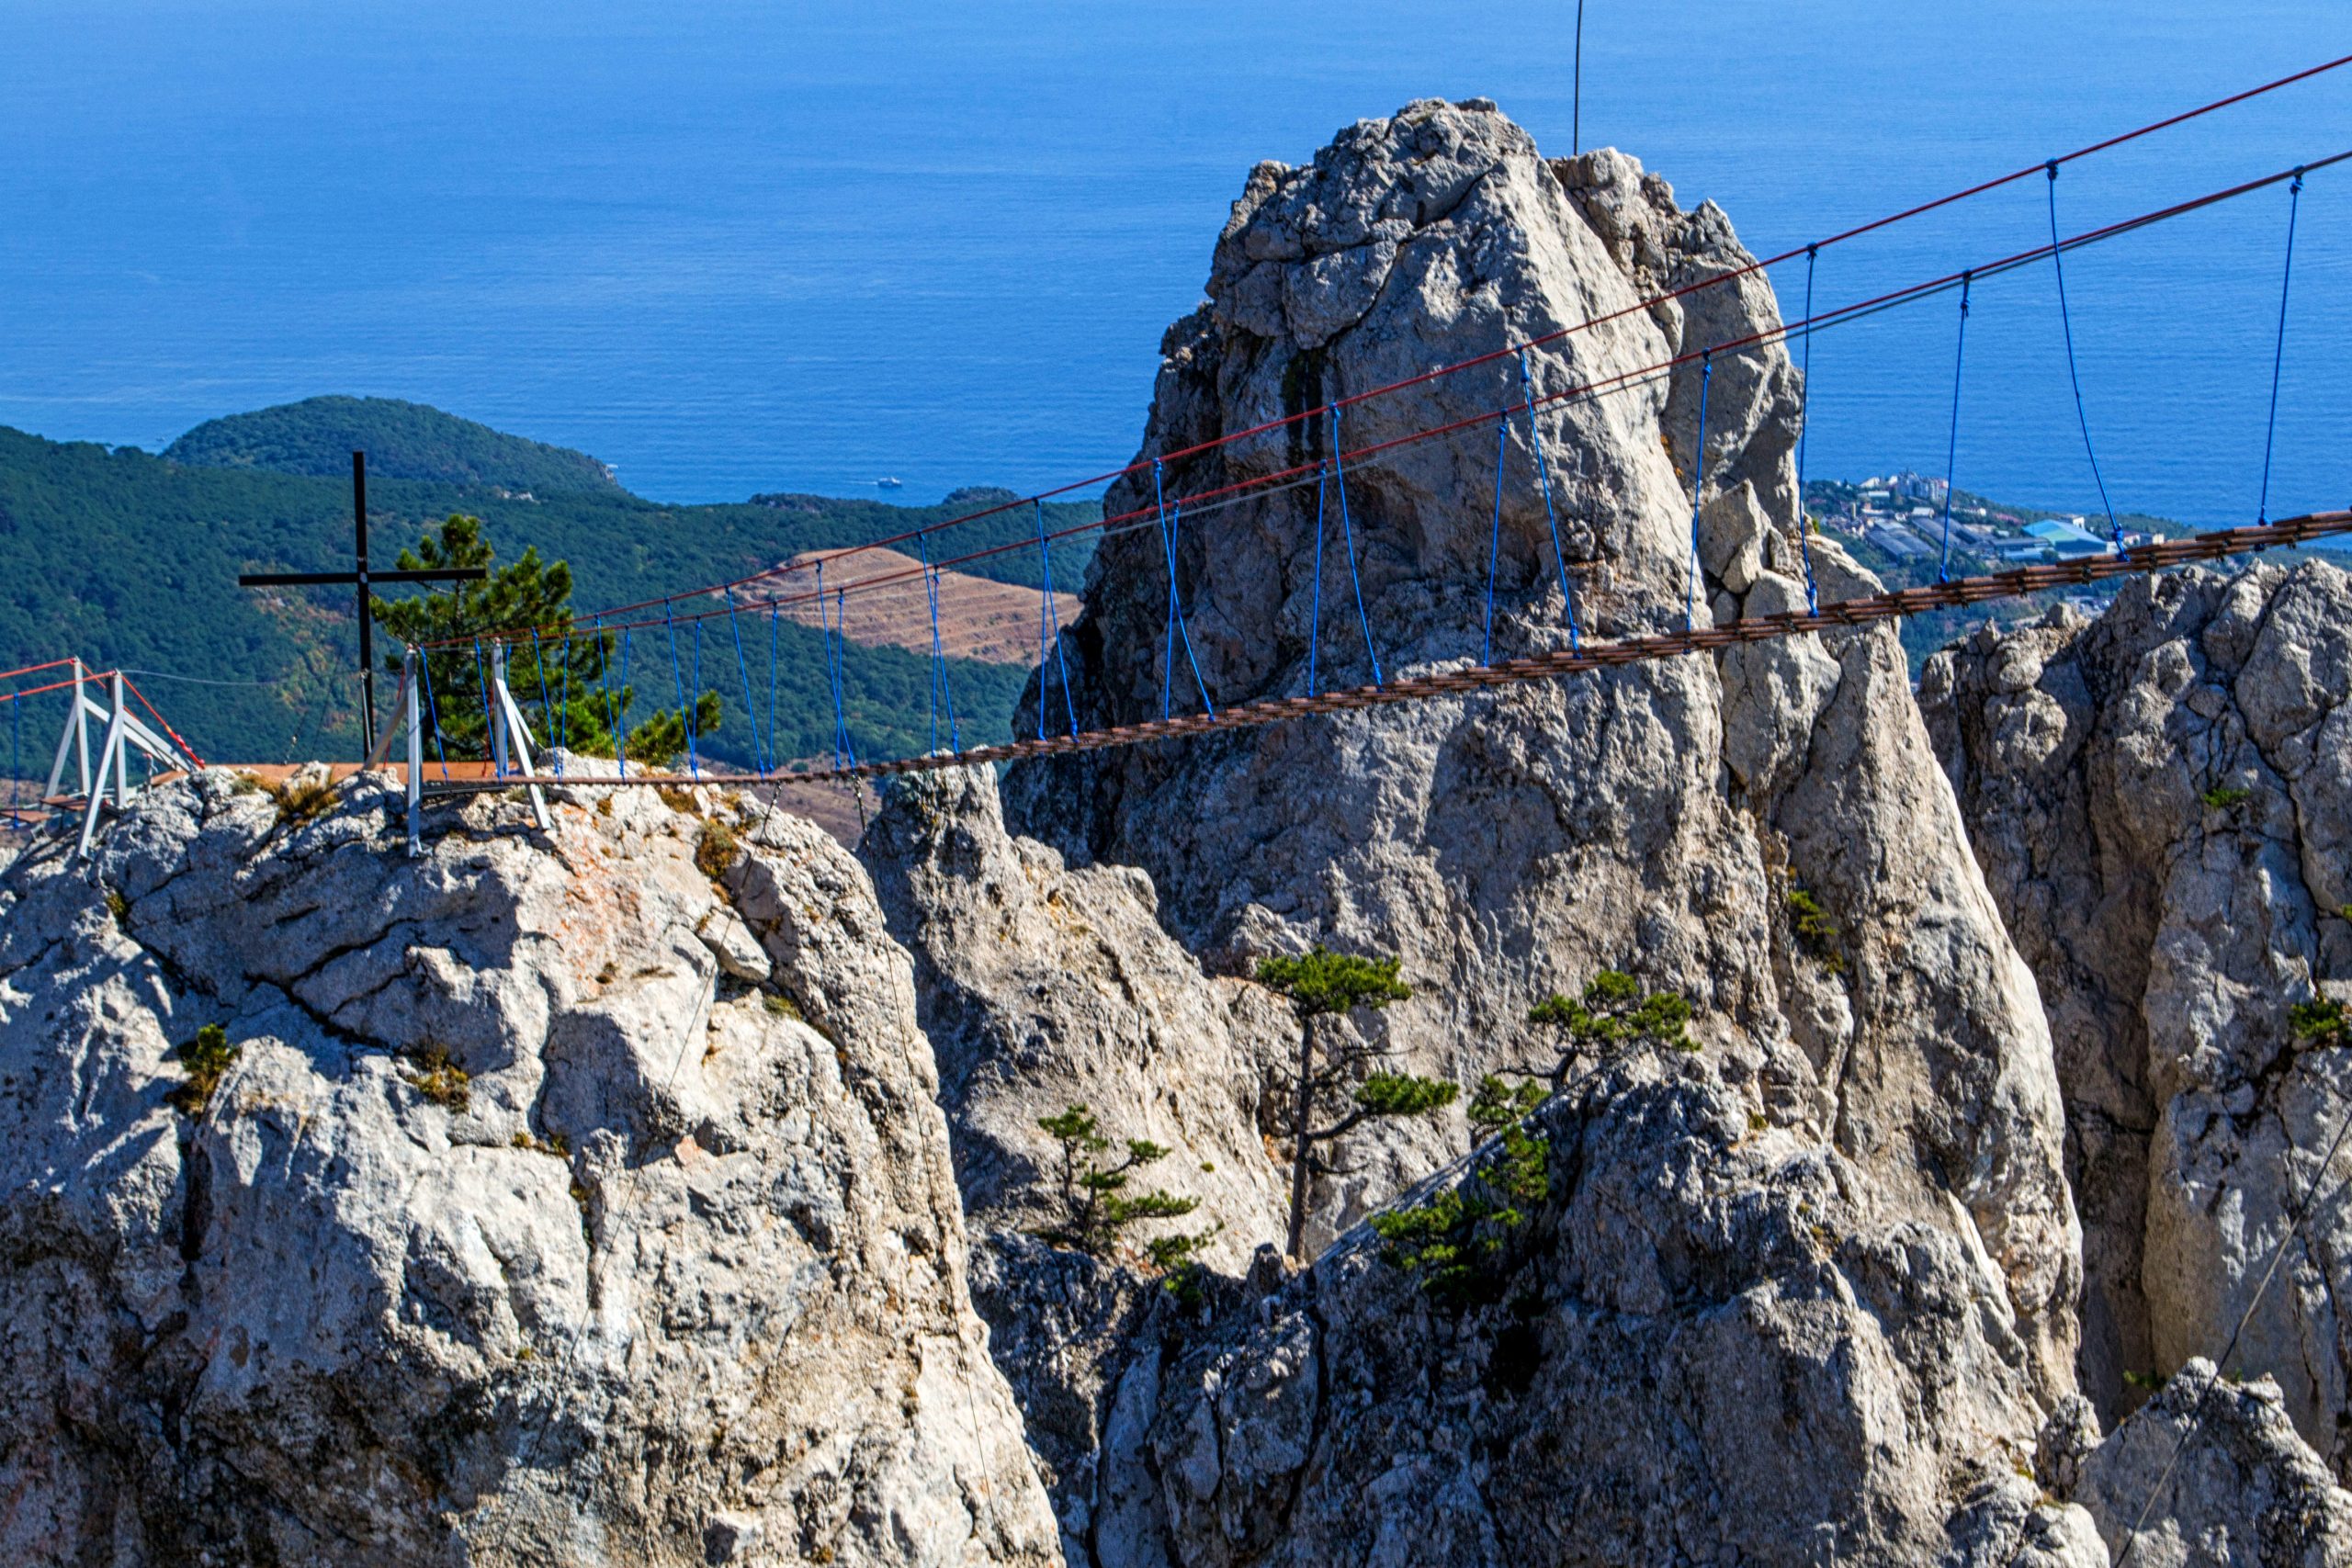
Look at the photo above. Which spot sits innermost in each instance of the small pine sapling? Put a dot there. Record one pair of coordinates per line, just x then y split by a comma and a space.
1612, 1016
207, 1060
1097, 1210
1320, 985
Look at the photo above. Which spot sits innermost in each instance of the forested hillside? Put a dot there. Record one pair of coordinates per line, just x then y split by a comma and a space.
128, 558
402, 440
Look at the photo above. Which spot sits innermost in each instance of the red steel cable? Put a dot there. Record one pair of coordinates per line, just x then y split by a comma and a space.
1443, 370
1833, 317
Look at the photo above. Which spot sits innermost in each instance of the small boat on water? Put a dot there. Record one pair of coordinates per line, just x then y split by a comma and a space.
889, 481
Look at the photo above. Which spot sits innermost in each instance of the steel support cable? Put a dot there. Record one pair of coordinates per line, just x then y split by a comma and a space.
1169, 525
2278, 354
160, 722
547, 708
2074, 376
15, 763
1638, 308
89, 677
694, 710
489, 720
1053, 634
1859, 612
2197, 1412
432, 711
1348, 539
1315, 614
1842, 315
1543, 480
1694, 584
751, 703
1952, 449
604, 686
34, 669
1495, 537
1804, 429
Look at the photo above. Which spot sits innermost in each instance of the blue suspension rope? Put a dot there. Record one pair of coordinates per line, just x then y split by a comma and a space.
431, 709
1495, 542
1176, 626
1315, 619
1348, 536
1804, 428
844, 751
1052, 632
694, 701
1952, 449
547, 708
943, 694
773, 761
16, 762
750, 704
563, 700
2279, 354
1694, 585
489, 720
678, 678
2058, 264
1544, 477
612, 714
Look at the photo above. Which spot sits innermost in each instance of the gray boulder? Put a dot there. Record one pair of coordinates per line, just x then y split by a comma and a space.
522, 1226
2162, 801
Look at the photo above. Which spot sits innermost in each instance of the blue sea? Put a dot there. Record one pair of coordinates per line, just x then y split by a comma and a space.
733, 247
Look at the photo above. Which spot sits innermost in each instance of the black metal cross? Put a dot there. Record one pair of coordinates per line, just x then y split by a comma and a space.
361, 579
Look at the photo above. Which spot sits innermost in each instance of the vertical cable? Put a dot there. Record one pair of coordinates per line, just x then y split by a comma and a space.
431, 709
489, 720
1694, 581
1348, 536
2279, 354
2066, 320
1053, 632
1495, 540
751, 703
1315, 617
1804, 428
547, 708
1952, 449
1543, 479
693, 711
1169, 525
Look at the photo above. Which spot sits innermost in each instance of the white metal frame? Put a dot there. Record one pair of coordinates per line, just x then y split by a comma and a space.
510, 740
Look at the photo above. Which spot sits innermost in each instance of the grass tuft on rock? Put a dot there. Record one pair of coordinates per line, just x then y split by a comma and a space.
207, 1060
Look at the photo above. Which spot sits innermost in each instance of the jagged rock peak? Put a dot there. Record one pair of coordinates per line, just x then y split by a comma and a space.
1766, 833
575, 1197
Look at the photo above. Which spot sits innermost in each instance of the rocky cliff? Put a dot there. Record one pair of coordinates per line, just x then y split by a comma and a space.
571, 1198
2162, 800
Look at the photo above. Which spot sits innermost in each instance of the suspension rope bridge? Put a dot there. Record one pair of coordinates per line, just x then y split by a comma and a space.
508, 740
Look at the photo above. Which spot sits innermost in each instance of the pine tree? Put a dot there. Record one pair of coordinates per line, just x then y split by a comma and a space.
1097, 1211
1614, 1014
1321, 985
550, 666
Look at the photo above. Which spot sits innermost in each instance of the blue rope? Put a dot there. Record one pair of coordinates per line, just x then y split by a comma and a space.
1176, 626
2279, 354
843, 750
1348, 533
1694, 585
563, 699
750, 704
1804, 428
773, 761
678, 679
1053, 633
943, 694
547, 708
1544, 477
1495, 544
489, 720
432, 708
1951, 449
16, 762
611, 715
694, 701
2057, 263
1315, 621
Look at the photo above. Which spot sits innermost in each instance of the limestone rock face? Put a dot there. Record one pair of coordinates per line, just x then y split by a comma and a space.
2162, 801
1656, 818
524, 1226
1041, 987
1697, 1347
2211, 1474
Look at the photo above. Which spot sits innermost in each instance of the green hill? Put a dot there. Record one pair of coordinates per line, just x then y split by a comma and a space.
403, 441
129, 559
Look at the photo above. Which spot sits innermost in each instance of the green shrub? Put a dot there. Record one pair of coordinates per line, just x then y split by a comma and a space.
1097, 1210
1613, 1015
441, 1081
2319, 1022
1454, 1245
716, 852
1817, 933
206, 1060
2225, 797
304, 800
